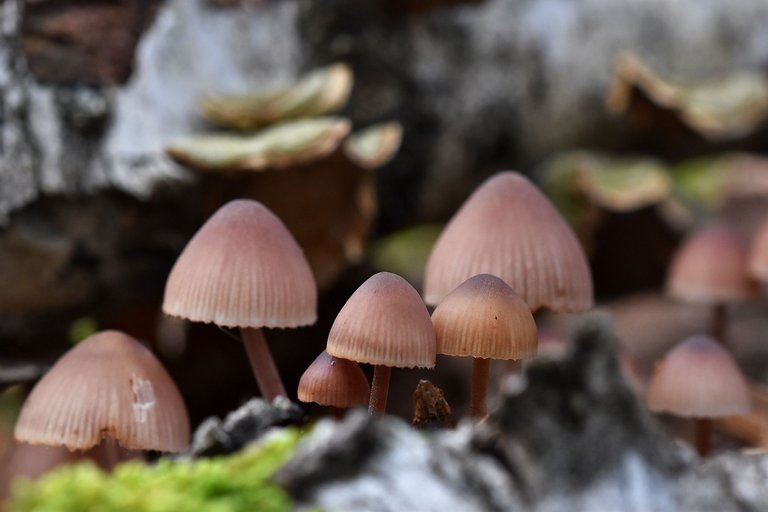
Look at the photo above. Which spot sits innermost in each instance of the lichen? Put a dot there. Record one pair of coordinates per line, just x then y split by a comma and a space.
240, 482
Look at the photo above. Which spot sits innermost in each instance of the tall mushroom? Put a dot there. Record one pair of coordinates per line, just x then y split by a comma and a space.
335, 383
107, 388
711, 268
507, 228
699, 379
244, 269
384, 323
484, 319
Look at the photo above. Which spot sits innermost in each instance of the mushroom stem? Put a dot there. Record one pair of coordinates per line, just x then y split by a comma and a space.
479, 387
379, 390
336, 412
720, 323
264, 369
703, 435
109, 454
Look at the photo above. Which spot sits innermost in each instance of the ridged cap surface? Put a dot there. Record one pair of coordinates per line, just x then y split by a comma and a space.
698, 378
507, 228
242, 269
758, 254
334, 382
485, 318
109, 385
711, 266
385, 323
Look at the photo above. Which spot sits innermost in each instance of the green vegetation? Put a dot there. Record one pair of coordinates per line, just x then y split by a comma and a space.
240, 482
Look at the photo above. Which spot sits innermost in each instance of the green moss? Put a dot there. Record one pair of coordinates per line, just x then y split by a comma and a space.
239, 482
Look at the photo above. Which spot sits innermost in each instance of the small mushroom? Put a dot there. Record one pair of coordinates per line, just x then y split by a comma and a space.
244, 269
711, 268
384, 323
484, 319
699, 379
108, 387
335, 383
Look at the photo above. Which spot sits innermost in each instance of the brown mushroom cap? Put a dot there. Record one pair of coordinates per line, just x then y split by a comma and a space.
242, 269
111, 386
698, 378
507, 228
758, 254
485, 318
334, 382
384, 323
711, 267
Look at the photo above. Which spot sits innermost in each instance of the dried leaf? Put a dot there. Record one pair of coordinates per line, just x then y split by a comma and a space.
723, 109
321, 92
375, 146
280, 146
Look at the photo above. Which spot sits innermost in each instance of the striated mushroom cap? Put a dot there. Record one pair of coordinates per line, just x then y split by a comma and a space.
698, 378
242, 269
711, 267
384, 323
111, 386
334, 382
507, 228
485, 318
758, 254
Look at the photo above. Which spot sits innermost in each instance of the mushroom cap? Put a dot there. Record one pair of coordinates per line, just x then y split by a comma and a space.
334, 382
384, 323
109, 385
698, 378
242, 269
485, 318
507, 228
711, 267
758, 254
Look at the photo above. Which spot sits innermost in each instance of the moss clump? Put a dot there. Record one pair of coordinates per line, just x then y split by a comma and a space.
239, 482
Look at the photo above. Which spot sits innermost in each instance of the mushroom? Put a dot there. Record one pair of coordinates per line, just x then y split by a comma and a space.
484, 319
758, 254
244, 269
507, 228
711, 268
699, 379
107, 388
335, 383
384, 323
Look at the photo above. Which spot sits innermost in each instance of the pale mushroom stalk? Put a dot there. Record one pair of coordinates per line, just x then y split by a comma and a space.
263, 365
379, 389
479, 387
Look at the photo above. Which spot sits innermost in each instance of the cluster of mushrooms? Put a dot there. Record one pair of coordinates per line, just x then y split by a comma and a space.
505, 254
699, 378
